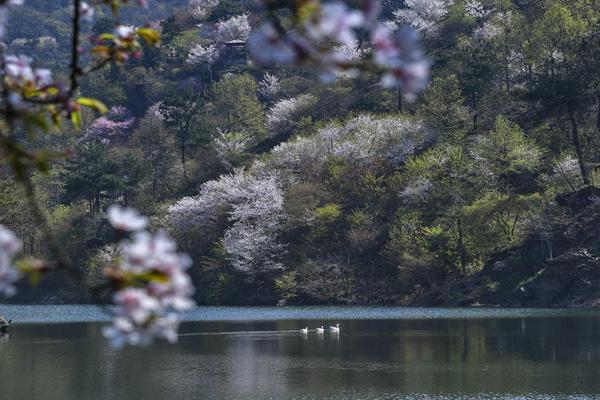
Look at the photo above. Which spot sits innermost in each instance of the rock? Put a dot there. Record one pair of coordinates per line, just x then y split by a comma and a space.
579, 199
4, 324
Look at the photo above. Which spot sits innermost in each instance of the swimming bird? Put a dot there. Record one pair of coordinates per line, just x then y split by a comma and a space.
304, 330
321, 329
335, 328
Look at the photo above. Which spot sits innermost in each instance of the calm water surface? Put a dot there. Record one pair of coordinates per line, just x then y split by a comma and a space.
57, 352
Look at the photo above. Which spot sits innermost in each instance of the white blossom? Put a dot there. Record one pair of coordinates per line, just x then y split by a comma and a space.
269, 86
334, 21
416, 190
423, 15
398, 51
254, 208
201, 9
476, 10
200, 54
124, 32
230, 144
162, 289
86, 11
234, 28
10, 245
269, 48
4, 14
362, 139
284, 113
126, 219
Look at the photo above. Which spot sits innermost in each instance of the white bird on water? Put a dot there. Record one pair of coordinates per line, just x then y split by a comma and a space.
321, 329
304, 330
335, 328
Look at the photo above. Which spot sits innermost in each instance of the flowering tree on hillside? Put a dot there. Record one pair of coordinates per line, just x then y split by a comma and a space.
423, 15
254, 208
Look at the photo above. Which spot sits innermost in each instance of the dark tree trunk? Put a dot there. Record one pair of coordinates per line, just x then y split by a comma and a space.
598, 114
461, 247
185, 176
585, 173
399, 101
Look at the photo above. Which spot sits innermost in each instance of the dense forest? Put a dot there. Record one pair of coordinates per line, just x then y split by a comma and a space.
286, 187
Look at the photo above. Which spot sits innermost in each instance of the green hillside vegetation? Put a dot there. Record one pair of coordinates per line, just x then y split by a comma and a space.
286, 189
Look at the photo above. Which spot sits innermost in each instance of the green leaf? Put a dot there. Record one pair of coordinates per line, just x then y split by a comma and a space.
76, 119
106, 36
93, 103
151, 36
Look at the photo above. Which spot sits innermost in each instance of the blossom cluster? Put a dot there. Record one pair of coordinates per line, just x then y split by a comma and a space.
23, 80
154, 286
476, 10
360, 140
234, 28
118, 122
201, 9
423, 15
9, 246
254, 207
324, 28
286, 112
4, 14
25, 84
269, 86
200, 54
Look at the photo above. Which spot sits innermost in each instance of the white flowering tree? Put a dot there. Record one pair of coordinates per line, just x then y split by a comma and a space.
284, 113
148, 283
423, 15
363, 139
253, 206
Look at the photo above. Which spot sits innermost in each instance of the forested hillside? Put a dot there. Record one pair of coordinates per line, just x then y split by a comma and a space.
286, 186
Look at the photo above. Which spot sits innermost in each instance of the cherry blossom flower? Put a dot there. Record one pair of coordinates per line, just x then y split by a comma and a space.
9, 246
4, 14
126, 219
268, 47
334, 22
18, 68
137, 304
86, 11
124, 32
24, 80
408, 69
156, 286
327, 39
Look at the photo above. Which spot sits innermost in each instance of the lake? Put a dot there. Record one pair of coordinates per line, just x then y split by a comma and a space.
57, 352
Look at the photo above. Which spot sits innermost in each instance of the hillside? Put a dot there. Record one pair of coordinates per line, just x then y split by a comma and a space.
286, 187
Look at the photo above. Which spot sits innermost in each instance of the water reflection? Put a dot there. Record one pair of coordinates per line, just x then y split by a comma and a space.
531, 358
